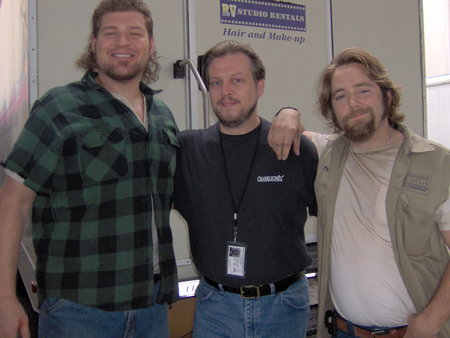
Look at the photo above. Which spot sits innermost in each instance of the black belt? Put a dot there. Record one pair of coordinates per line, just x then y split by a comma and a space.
156, 278
254, 291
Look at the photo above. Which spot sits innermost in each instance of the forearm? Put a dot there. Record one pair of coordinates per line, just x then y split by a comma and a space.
437, 312
285, 133
9, 245
15, 205
429, 322
14, 211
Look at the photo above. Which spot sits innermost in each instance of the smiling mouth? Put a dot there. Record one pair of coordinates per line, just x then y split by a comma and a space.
357, 116
122, 55
359, 113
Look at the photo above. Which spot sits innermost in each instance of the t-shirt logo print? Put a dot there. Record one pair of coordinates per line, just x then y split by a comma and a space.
270, 179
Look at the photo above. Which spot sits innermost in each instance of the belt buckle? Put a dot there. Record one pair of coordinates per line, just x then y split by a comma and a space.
242, 291
379, 333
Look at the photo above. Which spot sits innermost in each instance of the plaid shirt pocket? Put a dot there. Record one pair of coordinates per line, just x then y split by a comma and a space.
102, 155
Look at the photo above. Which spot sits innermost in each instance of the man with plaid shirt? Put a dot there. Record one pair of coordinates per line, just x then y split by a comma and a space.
95, 164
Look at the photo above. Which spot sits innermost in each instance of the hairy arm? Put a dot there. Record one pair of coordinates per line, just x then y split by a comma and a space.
285, 133
16, 201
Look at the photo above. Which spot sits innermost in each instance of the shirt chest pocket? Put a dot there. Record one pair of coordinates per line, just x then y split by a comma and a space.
163, 161
164, 153
102, 154
417, 214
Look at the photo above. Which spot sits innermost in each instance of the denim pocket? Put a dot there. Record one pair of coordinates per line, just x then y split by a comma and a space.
51, 304
297, 295
204, 291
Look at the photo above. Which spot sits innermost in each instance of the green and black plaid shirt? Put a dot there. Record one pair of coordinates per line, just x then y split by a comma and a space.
95, 169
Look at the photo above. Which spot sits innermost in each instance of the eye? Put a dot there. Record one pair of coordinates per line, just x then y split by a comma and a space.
237, 80
339, 97
214, 83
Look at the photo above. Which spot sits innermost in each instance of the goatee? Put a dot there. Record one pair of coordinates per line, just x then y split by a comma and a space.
132, 74
243, 116
360, 132
112, 71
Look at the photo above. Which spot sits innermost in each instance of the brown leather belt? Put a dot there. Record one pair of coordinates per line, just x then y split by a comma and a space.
360, 332
254, 291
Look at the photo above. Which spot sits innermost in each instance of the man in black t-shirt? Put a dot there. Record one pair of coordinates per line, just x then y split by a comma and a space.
245, 209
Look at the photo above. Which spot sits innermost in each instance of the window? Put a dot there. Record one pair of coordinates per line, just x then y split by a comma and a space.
437, 66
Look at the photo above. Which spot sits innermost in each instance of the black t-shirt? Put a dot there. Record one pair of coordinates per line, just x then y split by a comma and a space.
272, 213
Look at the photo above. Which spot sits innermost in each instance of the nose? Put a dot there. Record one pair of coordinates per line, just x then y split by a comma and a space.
122, 39
353, 101
225, 88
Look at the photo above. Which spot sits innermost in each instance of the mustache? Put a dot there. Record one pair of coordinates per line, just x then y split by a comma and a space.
228, 98
356, 112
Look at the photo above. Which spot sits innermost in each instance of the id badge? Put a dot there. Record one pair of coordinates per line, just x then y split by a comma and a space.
236, 253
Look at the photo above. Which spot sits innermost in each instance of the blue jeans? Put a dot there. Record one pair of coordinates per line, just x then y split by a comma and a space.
59, 318
224, 314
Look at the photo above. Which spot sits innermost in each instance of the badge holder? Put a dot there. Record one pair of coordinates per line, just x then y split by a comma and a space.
236, 254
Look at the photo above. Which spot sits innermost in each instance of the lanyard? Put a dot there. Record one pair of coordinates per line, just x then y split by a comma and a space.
237, 206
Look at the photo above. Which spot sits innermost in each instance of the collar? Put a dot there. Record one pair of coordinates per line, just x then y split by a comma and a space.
89, 81
264, 125
413, 143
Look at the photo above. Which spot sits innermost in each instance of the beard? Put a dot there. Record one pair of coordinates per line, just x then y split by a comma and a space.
244, 115
111, 71
361, 131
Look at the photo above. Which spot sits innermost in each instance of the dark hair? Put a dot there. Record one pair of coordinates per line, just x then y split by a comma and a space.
232, 47
87, 61
374, 70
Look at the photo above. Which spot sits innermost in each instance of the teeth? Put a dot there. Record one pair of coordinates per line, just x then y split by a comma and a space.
122, 55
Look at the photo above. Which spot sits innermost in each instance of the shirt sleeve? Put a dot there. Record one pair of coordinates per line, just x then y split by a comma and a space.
14, 176
36, 152
320, 141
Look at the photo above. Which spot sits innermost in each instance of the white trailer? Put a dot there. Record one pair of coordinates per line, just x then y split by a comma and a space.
295, 40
